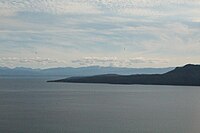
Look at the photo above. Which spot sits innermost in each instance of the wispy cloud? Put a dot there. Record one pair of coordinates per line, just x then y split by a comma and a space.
47, 6
89, 6
9, 61
114, 61
156, 30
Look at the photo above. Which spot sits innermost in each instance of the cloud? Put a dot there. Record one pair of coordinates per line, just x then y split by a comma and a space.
69, 29
44, 61
139, 7
114, 61
46, 6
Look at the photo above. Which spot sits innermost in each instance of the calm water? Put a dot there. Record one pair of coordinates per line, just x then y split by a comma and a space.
30, 105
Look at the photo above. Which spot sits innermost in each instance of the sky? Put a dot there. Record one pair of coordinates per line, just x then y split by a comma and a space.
120, 33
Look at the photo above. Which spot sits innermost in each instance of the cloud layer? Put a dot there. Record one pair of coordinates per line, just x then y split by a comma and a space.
140, 7
116, 62
67, 32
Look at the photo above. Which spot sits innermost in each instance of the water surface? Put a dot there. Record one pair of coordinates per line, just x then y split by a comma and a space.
31, 105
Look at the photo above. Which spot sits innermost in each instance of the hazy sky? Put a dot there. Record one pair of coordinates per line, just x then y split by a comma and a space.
126, 33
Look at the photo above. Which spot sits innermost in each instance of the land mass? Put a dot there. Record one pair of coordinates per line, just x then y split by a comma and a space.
188, 75
79, 71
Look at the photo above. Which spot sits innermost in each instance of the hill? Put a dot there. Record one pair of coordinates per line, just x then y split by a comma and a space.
188, 75
80, 71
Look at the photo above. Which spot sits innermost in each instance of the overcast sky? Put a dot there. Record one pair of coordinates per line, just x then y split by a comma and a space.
124, 33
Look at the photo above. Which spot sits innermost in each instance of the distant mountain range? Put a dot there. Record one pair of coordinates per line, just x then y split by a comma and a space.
81, 71
188, 75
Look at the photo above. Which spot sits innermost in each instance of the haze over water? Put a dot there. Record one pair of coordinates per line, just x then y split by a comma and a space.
34, 106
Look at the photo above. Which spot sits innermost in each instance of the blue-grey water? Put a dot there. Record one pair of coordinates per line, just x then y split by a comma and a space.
31, 105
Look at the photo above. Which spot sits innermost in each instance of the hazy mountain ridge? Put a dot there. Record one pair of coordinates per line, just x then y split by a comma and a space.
186, 75
81, 71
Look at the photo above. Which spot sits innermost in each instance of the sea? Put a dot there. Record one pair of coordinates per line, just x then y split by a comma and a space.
31, 105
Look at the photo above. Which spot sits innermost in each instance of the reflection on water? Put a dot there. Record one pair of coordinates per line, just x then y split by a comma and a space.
30, 105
